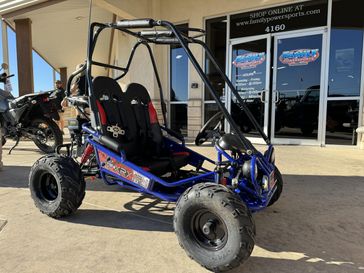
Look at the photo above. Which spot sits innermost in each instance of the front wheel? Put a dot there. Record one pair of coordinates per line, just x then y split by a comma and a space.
56, 185
47, 135
279, 185
214, 226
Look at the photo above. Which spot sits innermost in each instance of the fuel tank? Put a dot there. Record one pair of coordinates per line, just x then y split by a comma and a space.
13, 115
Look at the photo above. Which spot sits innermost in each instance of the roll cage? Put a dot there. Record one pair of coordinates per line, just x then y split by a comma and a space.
164, 33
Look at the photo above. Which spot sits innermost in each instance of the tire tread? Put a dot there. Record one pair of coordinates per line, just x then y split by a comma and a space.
70, 177
237, 208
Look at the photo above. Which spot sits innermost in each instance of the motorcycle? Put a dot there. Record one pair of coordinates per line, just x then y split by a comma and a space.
31, 116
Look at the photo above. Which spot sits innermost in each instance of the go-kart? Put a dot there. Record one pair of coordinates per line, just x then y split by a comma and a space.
124, 144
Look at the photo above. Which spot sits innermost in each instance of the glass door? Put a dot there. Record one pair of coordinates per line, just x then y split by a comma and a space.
249, 73
297, 96
178, 87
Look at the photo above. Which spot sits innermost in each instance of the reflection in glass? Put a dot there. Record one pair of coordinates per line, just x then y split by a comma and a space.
210, 110
341, 122
248, 75
179, 86
216, 41
179, 118
179, 74
298, 86
345, 62
344, 71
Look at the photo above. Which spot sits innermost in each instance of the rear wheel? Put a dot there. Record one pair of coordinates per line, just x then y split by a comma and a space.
3, 141
56, 185
214, 226
47, 135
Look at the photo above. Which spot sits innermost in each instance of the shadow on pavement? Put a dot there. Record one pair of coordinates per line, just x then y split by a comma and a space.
17, 177
142, 213
14, 177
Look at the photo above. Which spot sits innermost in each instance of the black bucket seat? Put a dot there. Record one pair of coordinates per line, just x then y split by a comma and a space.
131, 119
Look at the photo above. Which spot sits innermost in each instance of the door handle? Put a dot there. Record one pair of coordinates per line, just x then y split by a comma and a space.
263, 96
276, 96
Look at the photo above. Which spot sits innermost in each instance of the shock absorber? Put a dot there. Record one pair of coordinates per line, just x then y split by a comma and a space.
86, 154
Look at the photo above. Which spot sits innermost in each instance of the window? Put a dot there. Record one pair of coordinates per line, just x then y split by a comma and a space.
216, 41
179, 74
341, 122
345, 71
178, 87
345, 62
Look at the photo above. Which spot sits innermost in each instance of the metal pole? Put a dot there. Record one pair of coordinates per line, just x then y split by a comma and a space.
161, 97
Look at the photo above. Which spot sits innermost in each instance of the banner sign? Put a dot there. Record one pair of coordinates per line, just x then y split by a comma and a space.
299, 56
283, 18
249, 60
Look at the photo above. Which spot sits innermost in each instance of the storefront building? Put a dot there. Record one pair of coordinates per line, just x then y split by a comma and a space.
298, 66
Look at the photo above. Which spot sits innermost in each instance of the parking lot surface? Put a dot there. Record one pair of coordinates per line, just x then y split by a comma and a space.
316, 226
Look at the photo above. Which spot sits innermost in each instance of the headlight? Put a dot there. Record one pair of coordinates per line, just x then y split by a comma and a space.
265, 182
248, 168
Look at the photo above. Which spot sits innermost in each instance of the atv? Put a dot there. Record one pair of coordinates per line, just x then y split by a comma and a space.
123, 143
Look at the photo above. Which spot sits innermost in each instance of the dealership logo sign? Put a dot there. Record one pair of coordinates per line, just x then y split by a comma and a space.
299, 56
249, 60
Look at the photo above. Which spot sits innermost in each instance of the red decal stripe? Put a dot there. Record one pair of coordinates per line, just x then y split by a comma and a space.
181, 153
153, 117
101, 112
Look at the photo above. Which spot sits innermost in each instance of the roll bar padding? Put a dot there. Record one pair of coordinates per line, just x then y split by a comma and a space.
139, 23
110, 143
156, 33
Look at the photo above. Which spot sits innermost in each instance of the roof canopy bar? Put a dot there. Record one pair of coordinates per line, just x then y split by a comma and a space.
170, 35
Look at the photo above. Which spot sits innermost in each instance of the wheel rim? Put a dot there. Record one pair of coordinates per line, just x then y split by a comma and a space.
45, 134
48, 187
209, 230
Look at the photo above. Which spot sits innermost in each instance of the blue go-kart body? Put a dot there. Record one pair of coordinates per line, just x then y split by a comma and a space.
114, 168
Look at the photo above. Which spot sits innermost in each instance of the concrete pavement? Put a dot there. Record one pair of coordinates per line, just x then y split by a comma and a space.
317, 226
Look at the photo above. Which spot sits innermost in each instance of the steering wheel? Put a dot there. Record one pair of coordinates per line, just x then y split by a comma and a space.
212, 128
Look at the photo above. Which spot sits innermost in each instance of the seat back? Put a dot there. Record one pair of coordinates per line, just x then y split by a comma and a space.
130, 118
116, 116
108, 98
150, 134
